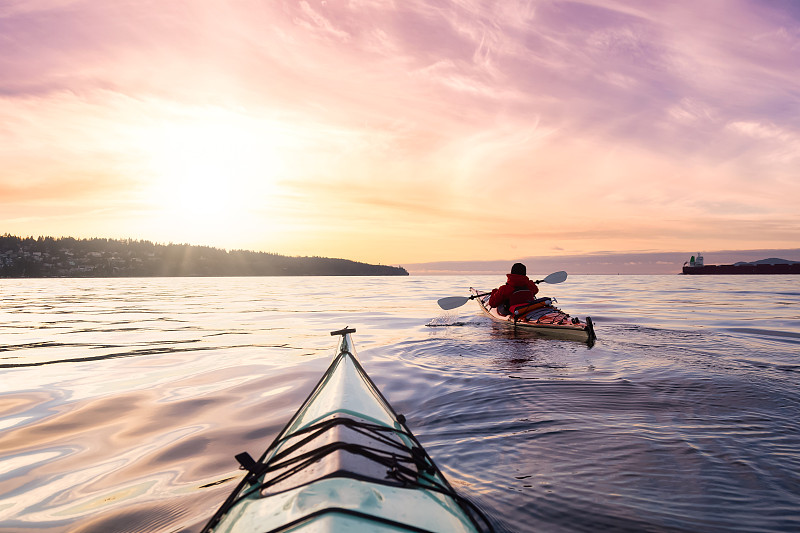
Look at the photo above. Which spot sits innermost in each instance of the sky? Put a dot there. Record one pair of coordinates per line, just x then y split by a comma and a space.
406, 131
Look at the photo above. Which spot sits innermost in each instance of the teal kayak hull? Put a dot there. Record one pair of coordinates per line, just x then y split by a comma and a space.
345, 462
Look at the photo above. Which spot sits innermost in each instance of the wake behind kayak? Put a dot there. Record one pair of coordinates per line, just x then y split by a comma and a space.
345, 462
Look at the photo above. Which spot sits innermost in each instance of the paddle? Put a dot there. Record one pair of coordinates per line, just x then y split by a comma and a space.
451, 302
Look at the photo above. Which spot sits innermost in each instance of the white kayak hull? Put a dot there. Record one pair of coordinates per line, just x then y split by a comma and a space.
547, 320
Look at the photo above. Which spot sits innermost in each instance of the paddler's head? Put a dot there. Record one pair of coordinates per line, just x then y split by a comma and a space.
518, 268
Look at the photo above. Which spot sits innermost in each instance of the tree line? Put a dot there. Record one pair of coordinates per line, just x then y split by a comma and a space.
97, 257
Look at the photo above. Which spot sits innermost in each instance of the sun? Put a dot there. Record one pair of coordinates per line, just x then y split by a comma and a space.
210, 176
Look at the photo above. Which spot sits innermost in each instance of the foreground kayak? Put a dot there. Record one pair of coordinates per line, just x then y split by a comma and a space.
345, 462
541, 317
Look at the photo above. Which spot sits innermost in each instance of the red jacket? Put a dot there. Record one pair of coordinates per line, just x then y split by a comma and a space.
518, 289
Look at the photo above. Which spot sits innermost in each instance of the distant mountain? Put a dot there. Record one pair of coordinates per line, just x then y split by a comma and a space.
47, 257
770, 261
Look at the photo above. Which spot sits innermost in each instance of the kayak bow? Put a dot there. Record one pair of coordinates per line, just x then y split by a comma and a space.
345, 462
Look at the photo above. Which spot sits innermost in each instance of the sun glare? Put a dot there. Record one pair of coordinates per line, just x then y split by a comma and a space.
210, 175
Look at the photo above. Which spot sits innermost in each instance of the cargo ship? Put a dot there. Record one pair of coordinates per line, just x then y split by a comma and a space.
772, 265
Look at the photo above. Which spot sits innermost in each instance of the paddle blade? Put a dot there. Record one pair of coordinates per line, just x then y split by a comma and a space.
451, 302
556, 277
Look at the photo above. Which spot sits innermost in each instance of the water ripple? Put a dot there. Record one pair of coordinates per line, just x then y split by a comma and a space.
123, 402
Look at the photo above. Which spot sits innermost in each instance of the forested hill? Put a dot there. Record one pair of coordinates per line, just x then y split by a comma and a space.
46, 257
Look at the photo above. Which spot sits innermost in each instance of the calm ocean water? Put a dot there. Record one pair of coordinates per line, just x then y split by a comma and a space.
123, 402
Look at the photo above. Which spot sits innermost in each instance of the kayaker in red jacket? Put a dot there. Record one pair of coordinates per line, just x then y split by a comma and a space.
518, 289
